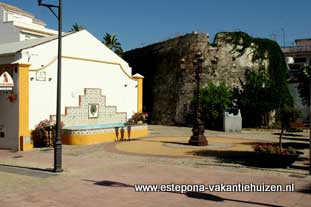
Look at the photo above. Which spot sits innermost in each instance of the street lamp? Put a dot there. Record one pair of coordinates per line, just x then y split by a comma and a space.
198, 138
58, 142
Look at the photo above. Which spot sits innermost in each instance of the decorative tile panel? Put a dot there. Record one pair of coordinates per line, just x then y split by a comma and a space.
92, 110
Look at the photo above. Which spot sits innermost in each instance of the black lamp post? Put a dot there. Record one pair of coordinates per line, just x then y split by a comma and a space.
58, 142
198, 138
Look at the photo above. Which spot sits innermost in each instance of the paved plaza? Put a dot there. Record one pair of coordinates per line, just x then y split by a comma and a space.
104, 174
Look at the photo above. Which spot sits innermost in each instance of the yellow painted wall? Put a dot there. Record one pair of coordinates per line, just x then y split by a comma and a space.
139, 94
23, 105
85, 139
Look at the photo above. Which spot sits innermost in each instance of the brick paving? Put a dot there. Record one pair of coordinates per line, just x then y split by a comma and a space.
99, 175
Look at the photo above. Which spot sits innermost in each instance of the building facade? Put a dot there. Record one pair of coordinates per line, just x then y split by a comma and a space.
19, 25
297, 58
98, 87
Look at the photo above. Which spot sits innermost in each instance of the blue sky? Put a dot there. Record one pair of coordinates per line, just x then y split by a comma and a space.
142, 22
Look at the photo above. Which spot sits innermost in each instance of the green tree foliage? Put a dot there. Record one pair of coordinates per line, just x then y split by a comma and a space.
304, 85
255, 98
111, 41
265, 49
76, 27
215, 100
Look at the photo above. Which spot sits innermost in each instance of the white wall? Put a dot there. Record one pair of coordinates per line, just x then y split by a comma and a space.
77, 75
9, 118
11, 16
118, 88
92, 49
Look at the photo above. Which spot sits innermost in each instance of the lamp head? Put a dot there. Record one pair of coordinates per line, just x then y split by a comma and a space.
39, 2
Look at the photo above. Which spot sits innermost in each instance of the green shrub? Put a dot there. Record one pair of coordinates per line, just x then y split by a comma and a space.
215, 100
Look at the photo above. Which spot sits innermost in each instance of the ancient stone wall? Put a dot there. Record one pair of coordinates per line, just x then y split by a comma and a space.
169, 73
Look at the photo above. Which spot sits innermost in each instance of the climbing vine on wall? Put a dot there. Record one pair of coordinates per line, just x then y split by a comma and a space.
263, 49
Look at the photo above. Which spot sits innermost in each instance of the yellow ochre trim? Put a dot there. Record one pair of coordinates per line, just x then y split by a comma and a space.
85, 139
139, 94
83, 59
27, 147
23, 101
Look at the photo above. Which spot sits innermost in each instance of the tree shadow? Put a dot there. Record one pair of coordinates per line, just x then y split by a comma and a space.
296, 145
289, 134
249, 158
296, 139
298, 167
210, 197
306, 189
236, 157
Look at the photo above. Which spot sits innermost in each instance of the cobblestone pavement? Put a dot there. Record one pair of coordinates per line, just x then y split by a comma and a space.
102, 175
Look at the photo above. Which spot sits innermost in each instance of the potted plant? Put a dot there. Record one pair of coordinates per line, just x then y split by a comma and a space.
138, 118
271, 155
44, 132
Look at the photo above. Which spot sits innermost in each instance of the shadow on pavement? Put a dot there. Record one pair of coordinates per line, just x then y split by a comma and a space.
306, 189
290, 134
29, 171
168, 142
108, 183
210, 197
296, 145
247, 158
297, 139
195, 195
238, 157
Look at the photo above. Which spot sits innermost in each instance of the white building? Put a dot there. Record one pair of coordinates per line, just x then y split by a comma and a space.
298, 57
93, 78
86, 63
18, 25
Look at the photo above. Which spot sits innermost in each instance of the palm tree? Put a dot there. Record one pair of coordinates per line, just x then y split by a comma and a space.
111, 41
76, 27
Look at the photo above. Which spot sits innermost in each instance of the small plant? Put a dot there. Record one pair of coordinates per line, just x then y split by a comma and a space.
139, 117
39, 134
274, 149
